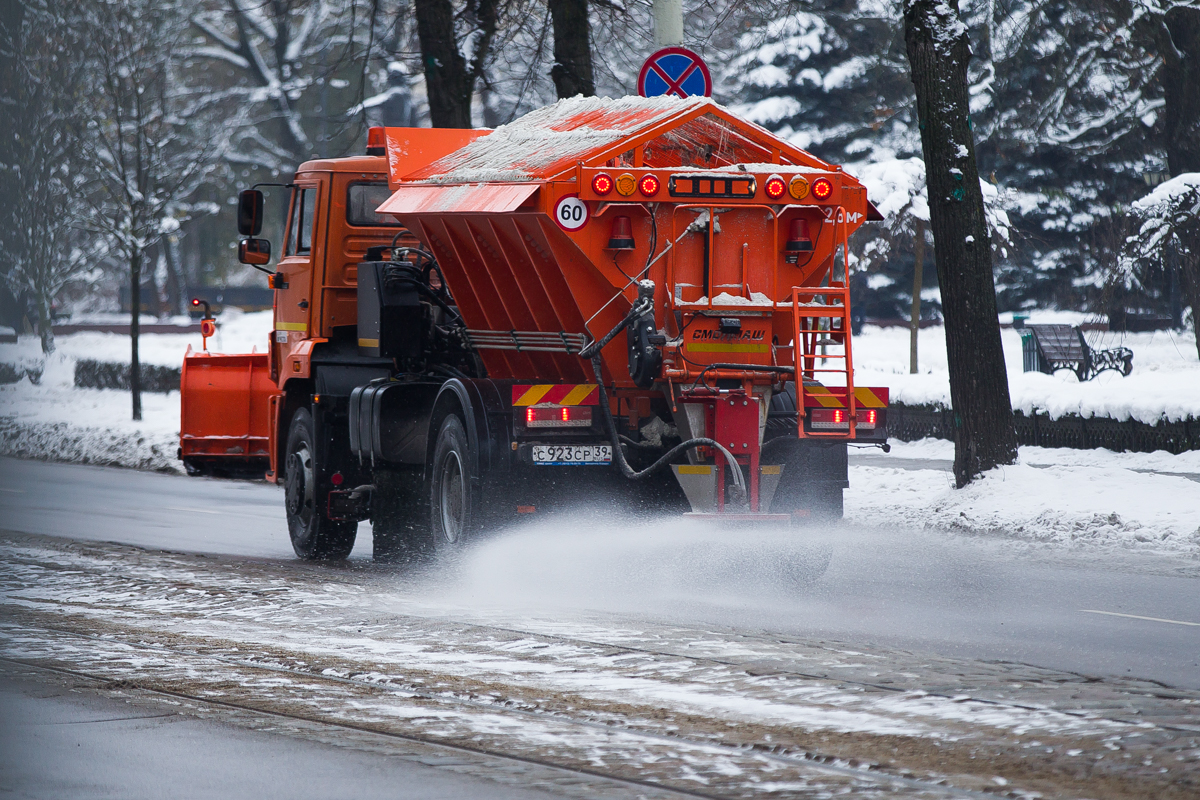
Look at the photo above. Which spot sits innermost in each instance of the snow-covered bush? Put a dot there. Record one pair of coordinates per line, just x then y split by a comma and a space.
1169, 231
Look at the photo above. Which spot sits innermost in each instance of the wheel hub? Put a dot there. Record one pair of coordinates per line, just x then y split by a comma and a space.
298, 488
454, 501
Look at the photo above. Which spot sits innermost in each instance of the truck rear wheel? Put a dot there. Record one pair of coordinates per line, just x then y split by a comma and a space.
314, 536
814, 471
452, 501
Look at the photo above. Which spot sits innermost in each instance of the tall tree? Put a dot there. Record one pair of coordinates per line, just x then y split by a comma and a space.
938, 51
572, 70
451, 76
147, 155
1178, 39
43, 85
291, 70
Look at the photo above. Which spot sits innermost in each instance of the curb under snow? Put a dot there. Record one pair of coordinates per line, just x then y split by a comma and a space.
72, 444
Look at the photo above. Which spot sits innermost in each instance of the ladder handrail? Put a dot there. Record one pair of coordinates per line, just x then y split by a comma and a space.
799, 350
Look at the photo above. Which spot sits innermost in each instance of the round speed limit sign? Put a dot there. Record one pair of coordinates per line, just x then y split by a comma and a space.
571, 213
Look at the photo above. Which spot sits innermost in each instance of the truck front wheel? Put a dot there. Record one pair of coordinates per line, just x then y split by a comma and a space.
314, 536
452, 497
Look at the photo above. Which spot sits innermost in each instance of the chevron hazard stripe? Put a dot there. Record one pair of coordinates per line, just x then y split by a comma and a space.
559, 394
866, 397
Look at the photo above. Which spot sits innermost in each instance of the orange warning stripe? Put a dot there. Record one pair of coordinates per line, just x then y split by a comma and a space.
824, 397
559, 394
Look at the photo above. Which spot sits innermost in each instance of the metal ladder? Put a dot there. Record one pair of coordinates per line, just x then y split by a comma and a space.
816, 314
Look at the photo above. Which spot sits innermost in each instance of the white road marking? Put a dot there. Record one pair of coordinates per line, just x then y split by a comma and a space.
191, 510
12, 491
1136, 616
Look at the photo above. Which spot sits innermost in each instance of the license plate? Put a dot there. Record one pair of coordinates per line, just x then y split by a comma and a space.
572, 454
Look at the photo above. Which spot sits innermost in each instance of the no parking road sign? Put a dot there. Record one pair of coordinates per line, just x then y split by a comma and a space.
677, 71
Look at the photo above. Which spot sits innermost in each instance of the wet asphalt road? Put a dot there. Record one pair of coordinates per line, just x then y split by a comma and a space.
65, 740
921, 591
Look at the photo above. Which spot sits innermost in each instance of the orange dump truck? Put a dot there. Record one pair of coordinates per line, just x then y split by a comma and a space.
642, 296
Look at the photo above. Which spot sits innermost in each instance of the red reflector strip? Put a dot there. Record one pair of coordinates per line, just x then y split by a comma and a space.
559, 394
558, 417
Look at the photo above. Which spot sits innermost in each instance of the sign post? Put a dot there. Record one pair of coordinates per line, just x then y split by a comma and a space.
677, 71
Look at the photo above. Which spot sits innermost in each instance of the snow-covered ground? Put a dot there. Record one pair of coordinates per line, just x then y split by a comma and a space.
1097, 498
1070, 497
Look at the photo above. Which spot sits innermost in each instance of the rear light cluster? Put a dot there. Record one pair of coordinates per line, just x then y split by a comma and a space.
839, 418
626, 184
558, 417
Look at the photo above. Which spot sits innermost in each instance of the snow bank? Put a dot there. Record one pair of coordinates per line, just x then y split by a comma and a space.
1100, 501
1165, 382
56, 422
53, 420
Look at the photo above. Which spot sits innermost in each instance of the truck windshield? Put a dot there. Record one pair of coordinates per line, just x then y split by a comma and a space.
361, 201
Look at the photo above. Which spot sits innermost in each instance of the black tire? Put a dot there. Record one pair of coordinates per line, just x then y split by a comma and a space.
399, 516
453, 505
314, 536
814, 471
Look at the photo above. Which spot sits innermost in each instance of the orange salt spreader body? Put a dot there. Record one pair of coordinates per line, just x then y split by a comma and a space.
647, 295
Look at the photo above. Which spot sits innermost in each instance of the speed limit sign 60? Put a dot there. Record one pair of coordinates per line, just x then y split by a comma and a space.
571, 213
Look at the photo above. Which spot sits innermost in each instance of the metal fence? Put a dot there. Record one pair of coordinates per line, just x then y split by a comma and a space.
909, 423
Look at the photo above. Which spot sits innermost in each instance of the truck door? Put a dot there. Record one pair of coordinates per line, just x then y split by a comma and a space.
294, 300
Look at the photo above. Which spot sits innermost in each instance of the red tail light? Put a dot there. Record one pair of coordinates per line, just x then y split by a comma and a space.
602, 184
648, 185
822, 189
558, 417
839, 418
775, 187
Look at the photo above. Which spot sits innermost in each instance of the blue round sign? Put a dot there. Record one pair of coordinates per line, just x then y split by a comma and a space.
677, 71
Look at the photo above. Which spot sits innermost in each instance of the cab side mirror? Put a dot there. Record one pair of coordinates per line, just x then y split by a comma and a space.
254, 252
250, 212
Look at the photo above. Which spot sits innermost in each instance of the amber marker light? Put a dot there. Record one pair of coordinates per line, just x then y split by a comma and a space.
648, 185
822, 189
798, 188
602, 184
775, 187
626, 184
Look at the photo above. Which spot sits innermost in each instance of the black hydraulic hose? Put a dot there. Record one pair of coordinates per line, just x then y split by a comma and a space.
592, 352
637, 475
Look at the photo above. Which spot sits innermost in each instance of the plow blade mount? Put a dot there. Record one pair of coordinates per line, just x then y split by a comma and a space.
224, 403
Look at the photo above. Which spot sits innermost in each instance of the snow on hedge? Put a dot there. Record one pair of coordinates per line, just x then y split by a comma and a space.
1090, 498
1165, 383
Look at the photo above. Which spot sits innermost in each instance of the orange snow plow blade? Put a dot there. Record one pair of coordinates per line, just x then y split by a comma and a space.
224, 404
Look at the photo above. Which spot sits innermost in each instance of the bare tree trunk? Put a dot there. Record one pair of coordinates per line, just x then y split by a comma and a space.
1188, 265
135, 311
1179, 44
447, 81
938, 52
918, 280
176, 280
572, 70
45, 323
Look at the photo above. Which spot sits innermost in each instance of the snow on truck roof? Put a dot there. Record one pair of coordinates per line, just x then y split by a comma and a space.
546, 143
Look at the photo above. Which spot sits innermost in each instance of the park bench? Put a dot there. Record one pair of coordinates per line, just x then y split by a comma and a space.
1049, 348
